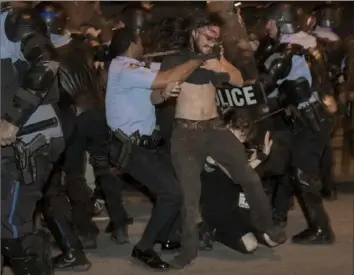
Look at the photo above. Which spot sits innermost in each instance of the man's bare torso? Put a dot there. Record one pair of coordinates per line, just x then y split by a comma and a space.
196, 102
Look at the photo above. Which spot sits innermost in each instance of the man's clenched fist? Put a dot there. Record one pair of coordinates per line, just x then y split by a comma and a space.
8, 133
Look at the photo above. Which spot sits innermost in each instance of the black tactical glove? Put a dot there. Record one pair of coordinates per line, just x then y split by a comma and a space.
216, 53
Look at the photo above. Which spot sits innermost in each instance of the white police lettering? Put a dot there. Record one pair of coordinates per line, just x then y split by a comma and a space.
236, 97
242, 202
249, 95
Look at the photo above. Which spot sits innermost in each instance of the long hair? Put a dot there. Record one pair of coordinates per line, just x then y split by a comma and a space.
174, 33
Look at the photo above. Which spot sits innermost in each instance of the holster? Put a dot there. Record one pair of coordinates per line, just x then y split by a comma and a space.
153, 141
25, 157
312, 116
121, 147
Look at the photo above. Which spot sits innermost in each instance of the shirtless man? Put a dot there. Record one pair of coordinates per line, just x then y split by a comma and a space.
198, 132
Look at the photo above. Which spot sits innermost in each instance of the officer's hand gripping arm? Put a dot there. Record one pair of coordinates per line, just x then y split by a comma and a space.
36, 47
179, 73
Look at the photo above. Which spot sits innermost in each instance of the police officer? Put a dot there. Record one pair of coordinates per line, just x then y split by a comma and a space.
131, 91
26, 98
297, 85
78, 86
322, 24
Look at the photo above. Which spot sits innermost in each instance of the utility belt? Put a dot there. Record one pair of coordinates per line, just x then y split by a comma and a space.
122, 145
20, 159
23, 164
312, 116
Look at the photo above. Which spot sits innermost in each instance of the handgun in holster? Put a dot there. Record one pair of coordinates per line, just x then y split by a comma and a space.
121, 146
25, 154
153, 141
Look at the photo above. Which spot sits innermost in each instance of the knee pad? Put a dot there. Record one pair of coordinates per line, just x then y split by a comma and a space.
249, 243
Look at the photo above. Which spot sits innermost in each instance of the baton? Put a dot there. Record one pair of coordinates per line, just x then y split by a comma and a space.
38, 126
149, 55
269, 115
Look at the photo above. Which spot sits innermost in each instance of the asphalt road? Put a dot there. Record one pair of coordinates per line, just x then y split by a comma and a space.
289, 259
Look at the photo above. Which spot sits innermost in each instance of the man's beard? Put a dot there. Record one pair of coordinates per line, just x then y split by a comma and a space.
195, 48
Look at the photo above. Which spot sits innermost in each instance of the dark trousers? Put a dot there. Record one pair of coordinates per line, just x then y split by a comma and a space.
223, 210
307, 150
153, 169
64, 203
111, 187
28, 252
191, 143
276, 176
18, 200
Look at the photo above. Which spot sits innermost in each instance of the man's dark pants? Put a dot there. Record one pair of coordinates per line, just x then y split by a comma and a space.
111, 188
28, 250
191, 143
64, 203
153, 169
307, 150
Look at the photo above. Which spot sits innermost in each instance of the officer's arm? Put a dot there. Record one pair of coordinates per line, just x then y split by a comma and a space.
178, 73
29, 29
145, 78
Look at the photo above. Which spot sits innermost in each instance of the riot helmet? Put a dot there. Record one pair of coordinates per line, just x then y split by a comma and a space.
328, 17
54, 16
136, 18
285, 16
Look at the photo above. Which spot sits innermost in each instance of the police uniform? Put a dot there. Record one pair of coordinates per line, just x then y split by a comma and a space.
295, 83
129, 110
333, 52
27, 97
77, 81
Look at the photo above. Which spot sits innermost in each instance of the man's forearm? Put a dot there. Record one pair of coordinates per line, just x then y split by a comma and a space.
176, 74
157, 97
236, 78
255, 163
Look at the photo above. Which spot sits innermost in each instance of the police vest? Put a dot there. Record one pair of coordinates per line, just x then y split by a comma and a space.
10, 83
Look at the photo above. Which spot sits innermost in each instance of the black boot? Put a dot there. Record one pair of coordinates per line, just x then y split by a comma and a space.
170, 246
30, 255
120, 235
319, 230
149, 258
314, 236
206, 237
72, 259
